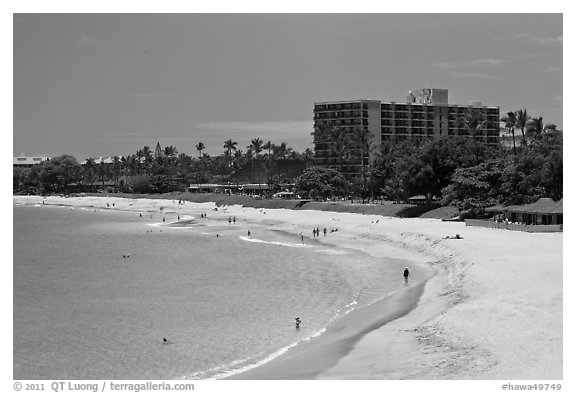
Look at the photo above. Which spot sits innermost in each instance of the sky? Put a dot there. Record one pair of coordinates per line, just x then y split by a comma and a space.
95, 85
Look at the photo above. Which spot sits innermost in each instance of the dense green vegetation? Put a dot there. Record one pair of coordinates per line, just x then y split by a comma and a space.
162, 170
458, 171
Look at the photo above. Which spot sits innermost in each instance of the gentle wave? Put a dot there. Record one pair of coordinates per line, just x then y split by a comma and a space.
331, 252
183, 222
254, 240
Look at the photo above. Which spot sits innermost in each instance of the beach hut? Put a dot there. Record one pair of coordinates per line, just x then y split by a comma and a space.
544, 211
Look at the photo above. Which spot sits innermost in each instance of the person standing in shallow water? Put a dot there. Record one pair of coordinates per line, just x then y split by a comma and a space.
406, 274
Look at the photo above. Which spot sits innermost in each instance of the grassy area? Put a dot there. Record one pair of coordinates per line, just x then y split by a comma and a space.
385, 208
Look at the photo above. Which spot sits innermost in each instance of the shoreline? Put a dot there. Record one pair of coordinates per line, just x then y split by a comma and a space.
466, 322
314, 357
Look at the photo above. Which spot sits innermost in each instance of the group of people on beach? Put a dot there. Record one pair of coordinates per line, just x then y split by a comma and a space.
316, 232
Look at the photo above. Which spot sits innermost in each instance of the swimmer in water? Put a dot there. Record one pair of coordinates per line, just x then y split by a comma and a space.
298, 322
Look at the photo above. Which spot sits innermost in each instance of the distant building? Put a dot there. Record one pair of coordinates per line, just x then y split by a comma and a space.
100, 160
27, 162
426, 114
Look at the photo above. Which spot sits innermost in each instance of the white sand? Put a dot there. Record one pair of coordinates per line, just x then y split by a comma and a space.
494, 311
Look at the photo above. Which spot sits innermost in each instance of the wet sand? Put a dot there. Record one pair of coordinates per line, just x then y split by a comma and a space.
309, 359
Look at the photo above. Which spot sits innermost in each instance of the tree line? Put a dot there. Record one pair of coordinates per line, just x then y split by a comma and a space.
457, 170
160, 170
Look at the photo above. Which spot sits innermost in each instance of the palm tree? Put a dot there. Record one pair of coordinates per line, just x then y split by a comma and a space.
254, 148
362, 138
238, 158
341, 146
89, 170
535, 128
521, 120
473, 121
308, 155
146, 155
510, 125
322, 136
124, 165
103, 171
281, 151
200, 146
230, 145
170, 151
134, 163
268, 146
116, 169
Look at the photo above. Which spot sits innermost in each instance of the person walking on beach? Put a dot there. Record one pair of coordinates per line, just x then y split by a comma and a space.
406, 274
325, 230
302, 237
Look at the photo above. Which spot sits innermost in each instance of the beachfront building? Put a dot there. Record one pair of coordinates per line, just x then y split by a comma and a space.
542, 212
425, 114
544, 215
27, 162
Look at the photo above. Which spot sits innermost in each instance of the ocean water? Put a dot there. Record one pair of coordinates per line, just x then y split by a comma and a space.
223, 300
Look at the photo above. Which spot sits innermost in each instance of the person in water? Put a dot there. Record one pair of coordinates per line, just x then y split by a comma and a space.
298, 322
406, 274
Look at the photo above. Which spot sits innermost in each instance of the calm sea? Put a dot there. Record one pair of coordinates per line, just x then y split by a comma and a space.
83, 311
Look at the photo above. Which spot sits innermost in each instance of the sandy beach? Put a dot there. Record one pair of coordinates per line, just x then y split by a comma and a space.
487, 306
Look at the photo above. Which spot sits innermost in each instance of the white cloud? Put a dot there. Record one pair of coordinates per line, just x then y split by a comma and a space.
469, 64
268, 127
532, 39
476, 75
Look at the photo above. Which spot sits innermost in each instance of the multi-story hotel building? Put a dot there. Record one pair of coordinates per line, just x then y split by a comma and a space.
426, 114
